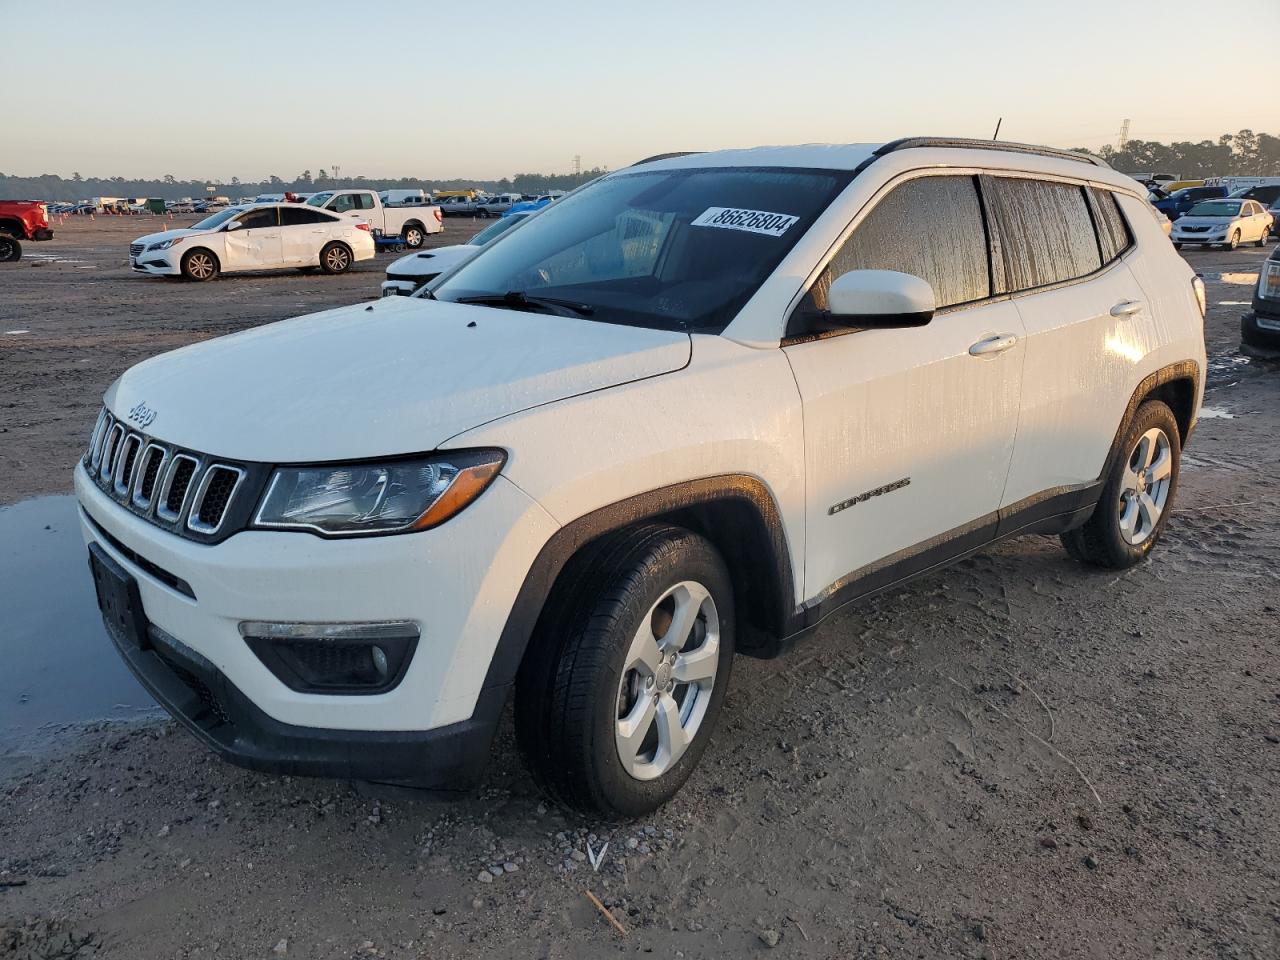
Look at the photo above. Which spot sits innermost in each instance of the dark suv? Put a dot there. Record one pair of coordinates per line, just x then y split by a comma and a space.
1260, 329
1180, 201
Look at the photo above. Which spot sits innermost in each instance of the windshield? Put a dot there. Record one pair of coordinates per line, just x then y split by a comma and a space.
218, 219
501, 227
1215, 208
674, 249
318, 199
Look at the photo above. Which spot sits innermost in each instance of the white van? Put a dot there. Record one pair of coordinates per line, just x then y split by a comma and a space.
690, 410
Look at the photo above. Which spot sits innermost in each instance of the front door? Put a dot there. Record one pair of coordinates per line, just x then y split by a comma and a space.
255, 245
909, 432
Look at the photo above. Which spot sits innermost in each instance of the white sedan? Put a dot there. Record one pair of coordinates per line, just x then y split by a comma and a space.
1228, 222
256, 237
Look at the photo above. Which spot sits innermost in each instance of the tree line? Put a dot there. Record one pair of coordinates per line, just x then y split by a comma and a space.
1245, 153
51, 186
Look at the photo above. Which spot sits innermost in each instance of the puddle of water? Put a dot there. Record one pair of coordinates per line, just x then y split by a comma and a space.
1215, 413
14, 333
1232, 303
60, 668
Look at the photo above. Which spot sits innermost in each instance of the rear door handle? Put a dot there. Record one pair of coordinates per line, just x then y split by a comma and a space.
1126, 308
993, 345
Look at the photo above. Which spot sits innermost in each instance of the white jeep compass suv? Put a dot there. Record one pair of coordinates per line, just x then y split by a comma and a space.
691, 410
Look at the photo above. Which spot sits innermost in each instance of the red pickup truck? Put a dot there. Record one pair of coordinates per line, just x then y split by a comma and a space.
21, 220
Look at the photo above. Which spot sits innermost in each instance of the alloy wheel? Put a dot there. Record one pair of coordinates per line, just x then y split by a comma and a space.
1144, 488
200, 265
667, 679
336, 259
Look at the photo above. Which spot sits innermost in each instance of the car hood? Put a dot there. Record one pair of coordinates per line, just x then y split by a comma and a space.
169, 234
396, 376
1206, 221
427, 262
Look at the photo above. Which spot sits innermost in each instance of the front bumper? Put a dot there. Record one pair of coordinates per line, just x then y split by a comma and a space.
1260, 329
457, 582
204, 701
155, 264
1204, 238
44, 233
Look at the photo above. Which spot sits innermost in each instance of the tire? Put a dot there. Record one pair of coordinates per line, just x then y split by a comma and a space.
200, 265
10, 249
1262, 238
1131, 513
482, 214
1233, 242
595, 654
414, 236
335, 258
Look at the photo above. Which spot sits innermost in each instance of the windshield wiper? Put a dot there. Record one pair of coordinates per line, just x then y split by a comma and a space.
519, 300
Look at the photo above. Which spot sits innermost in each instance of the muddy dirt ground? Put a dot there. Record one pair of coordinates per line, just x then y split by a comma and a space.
1015, 757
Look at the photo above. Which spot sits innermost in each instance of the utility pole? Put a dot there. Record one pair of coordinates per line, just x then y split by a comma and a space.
577, 164
336, 171
996, 135
1123, 140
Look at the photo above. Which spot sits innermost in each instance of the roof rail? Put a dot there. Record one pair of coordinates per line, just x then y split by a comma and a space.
667, 156
906, 143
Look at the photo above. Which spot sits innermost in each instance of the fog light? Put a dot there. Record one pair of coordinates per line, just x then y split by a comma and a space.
334, 658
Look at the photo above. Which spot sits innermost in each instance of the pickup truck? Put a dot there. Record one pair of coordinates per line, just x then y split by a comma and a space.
21, 220
461, 206
412, 224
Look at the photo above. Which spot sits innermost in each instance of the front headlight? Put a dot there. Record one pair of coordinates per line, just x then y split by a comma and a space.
166, 244
355, 499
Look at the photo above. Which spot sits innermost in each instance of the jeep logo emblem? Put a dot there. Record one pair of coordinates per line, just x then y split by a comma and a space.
142, 415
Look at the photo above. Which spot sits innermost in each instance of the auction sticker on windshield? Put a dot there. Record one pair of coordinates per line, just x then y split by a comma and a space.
753, 221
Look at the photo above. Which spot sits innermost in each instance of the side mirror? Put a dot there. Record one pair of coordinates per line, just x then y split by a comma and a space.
234, 225
879, 298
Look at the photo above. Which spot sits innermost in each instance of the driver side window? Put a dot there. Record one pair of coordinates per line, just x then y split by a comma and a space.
343, 203
256, 219
929, 227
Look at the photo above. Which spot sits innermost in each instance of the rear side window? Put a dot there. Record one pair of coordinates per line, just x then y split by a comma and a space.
931, 228
1046, 232
294, 216
1113, 231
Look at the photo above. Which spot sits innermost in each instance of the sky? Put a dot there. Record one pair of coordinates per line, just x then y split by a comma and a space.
439, 90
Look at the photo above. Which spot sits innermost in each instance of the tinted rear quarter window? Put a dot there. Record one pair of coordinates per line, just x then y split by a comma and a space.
1046, 231
1113, 231
931, 228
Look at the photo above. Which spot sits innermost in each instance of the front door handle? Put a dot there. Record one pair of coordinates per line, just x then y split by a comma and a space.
993, 345
1126, 308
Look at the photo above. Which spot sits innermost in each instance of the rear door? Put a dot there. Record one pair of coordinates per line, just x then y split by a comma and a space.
1089, 326
303, 231
256, 244
909, 432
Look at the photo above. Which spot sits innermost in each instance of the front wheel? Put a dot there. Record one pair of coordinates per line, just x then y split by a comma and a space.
624, 680
1234, 241
335, 258
1137, 494
199, 265
10, 248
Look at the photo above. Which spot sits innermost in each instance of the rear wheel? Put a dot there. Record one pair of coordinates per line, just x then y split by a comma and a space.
1262, 237
10, 248
199, 265
1136, 496
620, 691
335, 258
413, 236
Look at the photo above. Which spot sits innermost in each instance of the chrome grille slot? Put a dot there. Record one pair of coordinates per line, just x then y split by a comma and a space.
176, 486
135, 249
125, 460
213, 495
150, 465
100, 428
110, 447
